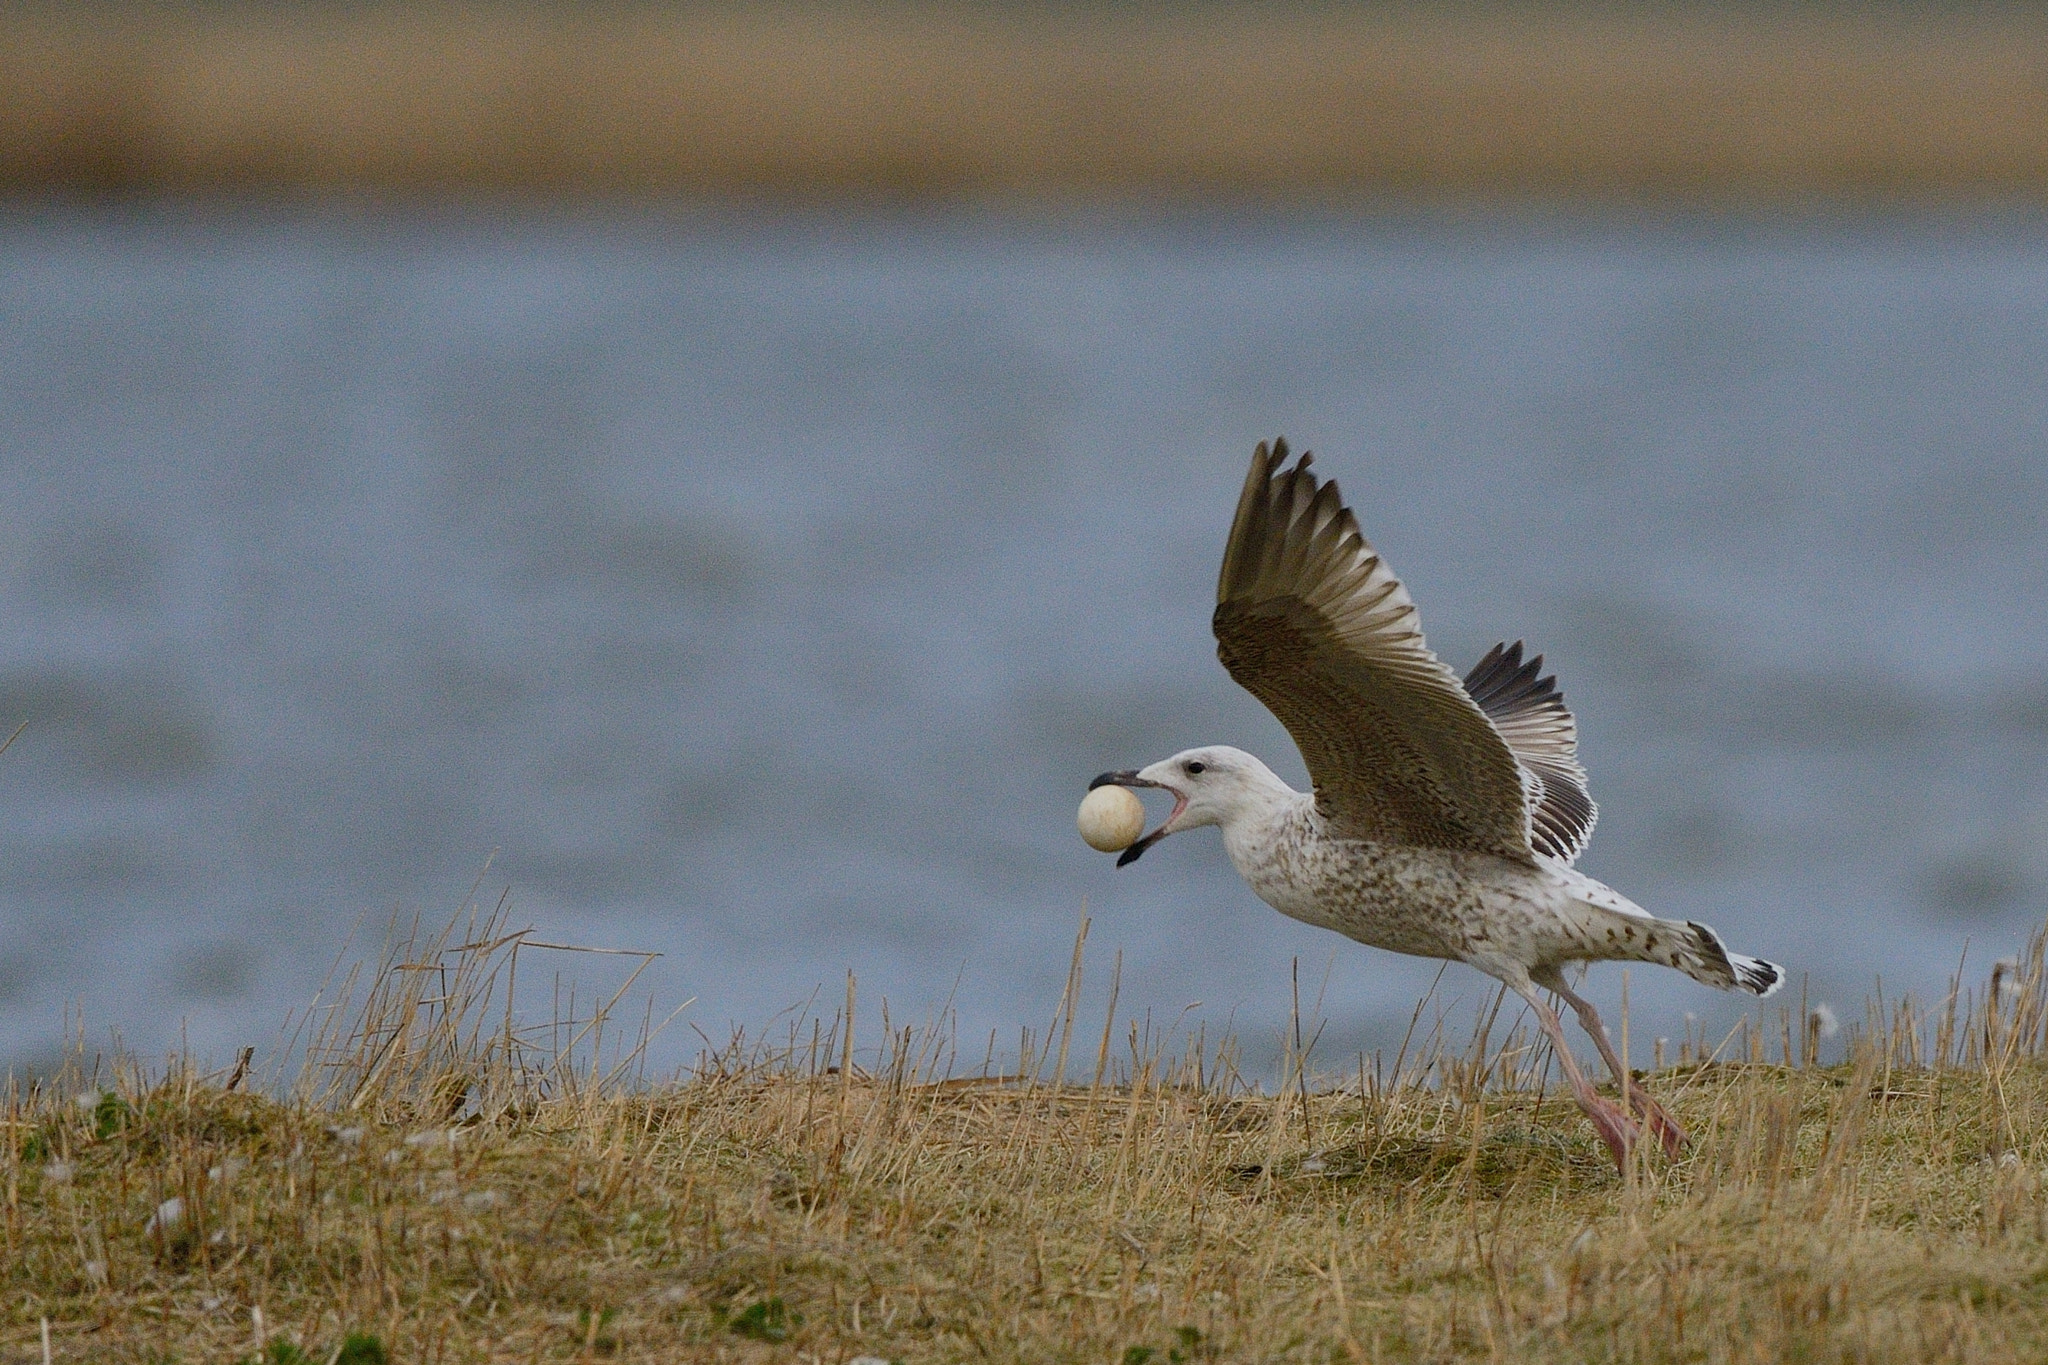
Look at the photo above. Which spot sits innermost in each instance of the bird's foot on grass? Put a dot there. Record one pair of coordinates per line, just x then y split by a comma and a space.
1619, 1132
1614, 1127
1667, 1129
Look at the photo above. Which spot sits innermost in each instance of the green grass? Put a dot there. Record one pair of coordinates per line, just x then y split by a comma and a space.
427, 1190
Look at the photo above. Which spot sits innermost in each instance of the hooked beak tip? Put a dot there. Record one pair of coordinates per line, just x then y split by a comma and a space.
1127, 777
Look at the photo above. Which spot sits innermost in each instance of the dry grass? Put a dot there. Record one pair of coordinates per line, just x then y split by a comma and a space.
916, 100
446, 1186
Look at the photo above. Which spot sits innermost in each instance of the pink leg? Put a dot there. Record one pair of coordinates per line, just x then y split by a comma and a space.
1615, 1127
1662, 1124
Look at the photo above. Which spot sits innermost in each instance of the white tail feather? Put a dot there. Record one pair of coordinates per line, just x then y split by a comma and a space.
1730, 971
1753, 974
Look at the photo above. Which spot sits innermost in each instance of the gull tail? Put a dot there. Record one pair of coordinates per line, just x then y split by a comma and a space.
1614, 928
1707, 960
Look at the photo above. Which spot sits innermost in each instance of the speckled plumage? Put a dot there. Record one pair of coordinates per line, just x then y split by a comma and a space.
1511, 919
1445, 814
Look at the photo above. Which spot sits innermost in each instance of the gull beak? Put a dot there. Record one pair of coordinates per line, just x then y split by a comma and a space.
1129, 778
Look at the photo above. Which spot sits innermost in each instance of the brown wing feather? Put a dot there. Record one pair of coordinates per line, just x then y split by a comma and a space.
1530, 714
1311, 621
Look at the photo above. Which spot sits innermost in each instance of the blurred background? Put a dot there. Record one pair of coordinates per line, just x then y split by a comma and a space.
726, 476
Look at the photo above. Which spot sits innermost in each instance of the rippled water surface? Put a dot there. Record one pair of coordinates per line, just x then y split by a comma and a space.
764, 593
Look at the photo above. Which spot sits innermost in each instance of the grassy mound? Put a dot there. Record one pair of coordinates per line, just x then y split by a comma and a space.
430, 1192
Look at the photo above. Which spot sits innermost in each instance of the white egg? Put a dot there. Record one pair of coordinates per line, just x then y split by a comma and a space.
1111, 818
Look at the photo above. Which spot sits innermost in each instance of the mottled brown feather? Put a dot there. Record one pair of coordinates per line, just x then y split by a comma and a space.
1311, 621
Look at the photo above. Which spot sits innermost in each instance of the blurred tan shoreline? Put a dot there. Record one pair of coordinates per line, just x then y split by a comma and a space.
912, 103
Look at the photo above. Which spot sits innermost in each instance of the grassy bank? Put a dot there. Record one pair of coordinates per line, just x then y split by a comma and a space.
912, 101
434, 1186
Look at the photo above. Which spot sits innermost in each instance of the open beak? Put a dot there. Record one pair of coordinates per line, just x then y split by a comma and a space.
1129, 778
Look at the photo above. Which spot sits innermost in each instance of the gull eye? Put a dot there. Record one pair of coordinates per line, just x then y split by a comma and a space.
1194, 768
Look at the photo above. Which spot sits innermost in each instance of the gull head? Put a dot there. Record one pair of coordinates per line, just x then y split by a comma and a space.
1216, 785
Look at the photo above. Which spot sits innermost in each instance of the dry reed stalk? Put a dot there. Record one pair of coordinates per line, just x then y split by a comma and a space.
922, 100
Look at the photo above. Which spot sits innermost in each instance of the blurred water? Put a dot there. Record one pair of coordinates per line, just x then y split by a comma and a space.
764, 593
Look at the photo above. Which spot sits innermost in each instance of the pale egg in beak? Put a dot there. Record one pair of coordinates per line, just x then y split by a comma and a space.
1129, 778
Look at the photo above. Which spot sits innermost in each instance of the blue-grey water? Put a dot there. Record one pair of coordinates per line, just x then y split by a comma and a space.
764, 592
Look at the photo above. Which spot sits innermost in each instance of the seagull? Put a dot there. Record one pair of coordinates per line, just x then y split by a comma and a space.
1445, 815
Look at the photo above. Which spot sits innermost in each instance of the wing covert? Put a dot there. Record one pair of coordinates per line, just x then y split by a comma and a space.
1310, 620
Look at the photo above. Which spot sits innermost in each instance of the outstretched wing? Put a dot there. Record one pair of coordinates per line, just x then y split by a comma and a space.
1530, 714
1311, 621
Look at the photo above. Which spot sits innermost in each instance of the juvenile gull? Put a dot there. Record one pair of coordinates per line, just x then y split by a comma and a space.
1445, 815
